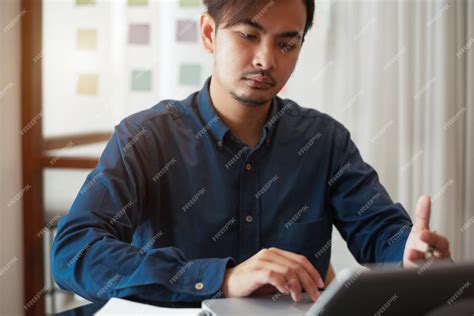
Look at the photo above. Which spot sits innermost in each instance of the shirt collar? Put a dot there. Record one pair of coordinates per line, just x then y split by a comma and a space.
218, 129
212, 122
274, 115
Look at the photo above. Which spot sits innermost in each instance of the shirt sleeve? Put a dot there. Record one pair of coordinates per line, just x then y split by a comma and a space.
374, 227
93, 255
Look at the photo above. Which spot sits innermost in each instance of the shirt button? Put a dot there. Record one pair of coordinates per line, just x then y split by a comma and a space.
199, 286
220, 144
248, 167
248, 219
267, 142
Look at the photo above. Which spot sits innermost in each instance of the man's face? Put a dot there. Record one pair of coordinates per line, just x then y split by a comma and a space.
254, 59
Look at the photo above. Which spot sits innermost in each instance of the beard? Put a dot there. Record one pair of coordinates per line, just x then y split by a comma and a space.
249, 101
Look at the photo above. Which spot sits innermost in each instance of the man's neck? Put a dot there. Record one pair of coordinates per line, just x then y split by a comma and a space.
245, 122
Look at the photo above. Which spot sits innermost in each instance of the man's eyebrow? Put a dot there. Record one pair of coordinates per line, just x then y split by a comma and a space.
260, 28
290, 34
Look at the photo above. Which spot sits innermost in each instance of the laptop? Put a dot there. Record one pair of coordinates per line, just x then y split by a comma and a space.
368, 291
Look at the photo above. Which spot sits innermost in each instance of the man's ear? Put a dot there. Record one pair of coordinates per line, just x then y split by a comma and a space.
208, 28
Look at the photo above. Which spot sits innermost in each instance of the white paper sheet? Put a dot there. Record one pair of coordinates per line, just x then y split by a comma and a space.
117, 306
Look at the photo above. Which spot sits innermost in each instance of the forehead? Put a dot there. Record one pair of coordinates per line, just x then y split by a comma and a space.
276, 15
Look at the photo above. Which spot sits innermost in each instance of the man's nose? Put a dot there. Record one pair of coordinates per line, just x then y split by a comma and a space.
265, 57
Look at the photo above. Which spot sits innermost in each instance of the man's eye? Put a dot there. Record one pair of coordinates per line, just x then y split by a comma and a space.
247, 36
286, 46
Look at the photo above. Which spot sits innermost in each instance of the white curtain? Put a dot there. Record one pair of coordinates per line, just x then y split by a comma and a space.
399, 75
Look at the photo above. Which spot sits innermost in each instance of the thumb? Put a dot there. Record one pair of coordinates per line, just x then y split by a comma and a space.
423, 210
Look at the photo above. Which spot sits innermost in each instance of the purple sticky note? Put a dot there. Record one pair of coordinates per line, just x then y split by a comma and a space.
186, 31
139, 34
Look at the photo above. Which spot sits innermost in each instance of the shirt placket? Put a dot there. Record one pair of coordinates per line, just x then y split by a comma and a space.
249, 211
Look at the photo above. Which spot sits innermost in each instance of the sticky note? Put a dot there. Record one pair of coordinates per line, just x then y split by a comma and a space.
86, 39
186, 31
141, 80
85, 2
137, 2
139, 34
87, 84
189, 3
190, 75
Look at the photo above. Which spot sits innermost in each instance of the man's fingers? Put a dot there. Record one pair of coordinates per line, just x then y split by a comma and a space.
310, 269
300, 276
421, 239
423, 209
426, 239
439, 243
273, 278
416, 255
292, 284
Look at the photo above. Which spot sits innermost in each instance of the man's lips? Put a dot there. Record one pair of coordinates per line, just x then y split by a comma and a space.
260, 79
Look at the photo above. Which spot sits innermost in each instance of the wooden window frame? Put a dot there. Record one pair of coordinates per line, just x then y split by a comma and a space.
34, 158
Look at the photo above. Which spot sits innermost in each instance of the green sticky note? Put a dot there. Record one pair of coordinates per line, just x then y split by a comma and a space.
141, 80
85, 2
189, 3
190, 75
137, 2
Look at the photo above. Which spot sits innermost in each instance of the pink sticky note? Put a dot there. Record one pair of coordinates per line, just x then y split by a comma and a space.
139, 34
186, 31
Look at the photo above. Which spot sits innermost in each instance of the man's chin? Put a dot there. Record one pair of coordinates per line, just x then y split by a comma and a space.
251, 101
253, 97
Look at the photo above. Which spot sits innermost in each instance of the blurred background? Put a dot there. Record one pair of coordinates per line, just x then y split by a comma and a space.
398, 74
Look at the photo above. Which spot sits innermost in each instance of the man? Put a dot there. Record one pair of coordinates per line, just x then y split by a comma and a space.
232, 191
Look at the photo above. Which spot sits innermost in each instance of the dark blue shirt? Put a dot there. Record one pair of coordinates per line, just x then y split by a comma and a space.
176, 198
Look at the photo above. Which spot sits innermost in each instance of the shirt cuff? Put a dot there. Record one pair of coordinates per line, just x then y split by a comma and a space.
205, 276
